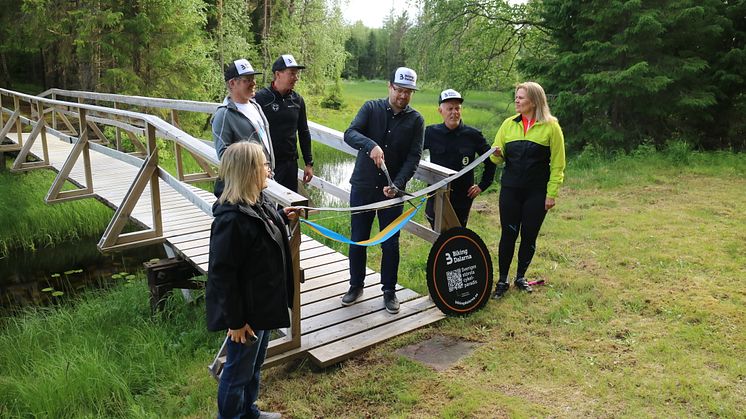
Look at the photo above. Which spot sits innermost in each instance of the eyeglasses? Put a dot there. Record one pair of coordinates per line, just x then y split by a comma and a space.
246, 79
402, 91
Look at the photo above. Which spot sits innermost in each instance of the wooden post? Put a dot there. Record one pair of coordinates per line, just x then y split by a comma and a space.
177, 148
19, 127
155, 192
166, 274
43, 122
54, 113
297, 279
117, 134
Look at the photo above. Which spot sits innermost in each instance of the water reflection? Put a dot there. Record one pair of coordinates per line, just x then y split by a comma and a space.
68, 268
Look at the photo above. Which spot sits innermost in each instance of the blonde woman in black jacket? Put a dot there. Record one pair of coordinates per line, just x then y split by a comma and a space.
249, 283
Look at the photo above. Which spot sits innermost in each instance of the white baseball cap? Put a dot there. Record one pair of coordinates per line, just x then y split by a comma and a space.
404, 77
240, 67
449, 94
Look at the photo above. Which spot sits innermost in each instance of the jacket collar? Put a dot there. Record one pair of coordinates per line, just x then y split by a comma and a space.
230, 104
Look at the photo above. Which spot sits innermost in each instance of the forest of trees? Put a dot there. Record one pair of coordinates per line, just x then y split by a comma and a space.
619, 74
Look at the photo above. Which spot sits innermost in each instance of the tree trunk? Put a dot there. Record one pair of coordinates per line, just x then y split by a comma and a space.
4, 73
221, 55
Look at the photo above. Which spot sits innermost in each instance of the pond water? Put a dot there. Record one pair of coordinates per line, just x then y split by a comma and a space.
52, 274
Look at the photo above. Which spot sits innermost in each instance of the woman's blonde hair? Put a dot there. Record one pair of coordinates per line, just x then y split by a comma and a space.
535, 93
243, 170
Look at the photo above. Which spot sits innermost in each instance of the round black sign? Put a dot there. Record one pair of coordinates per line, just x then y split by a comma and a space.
459, 272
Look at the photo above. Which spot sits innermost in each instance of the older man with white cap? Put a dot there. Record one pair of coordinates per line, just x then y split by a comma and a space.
454, 145
387, 133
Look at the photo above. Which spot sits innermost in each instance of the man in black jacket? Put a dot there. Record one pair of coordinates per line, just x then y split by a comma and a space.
454, 145
384, 130
286, 112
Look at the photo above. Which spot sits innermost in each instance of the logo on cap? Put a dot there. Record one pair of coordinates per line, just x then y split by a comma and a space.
450, 94
243, 66
405, 77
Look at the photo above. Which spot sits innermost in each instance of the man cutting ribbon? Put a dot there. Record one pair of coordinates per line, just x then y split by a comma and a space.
388, 134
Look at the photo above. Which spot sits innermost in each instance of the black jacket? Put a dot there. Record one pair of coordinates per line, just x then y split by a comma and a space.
400, 136
288, 123
456, 149
250, 278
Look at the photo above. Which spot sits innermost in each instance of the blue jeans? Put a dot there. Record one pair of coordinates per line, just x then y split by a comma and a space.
360, 225
239, 383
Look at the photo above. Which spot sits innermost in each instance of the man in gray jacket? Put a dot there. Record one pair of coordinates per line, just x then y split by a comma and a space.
239, 117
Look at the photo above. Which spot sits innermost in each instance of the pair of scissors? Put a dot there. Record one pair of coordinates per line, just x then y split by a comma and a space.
397, 191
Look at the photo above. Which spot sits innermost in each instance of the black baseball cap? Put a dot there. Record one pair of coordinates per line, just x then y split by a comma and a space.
285, 61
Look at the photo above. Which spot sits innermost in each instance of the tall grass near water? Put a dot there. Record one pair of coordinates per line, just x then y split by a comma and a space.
27, 222
103, 356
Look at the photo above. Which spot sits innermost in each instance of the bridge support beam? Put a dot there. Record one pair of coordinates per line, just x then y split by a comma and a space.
164, 275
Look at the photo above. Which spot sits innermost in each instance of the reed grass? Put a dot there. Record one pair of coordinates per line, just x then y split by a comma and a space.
27, 222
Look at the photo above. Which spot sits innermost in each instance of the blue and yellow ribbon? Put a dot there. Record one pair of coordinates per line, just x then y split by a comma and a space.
379, 238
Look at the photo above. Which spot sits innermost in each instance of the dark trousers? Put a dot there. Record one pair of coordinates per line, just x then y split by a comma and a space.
239, 383
361, 224
521, 211
286, 174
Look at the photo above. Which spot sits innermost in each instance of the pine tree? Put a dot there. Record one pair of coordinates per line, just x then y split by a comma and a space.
623, 73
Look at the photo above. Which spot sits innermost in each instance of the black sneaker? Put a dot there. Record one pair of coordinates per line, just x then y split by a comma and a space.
391, 302
522, 285
500, 290
353, 294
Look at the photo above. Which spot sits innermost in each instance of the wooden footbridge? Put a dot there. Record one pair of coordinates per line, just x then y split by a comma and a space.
83, 135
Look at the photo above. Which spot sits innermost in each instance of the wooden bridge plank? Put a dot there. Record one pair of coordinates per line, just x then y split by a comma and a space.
322, 260
345, 348
339, 314
314, 252
311, 273
333, 301
394, 322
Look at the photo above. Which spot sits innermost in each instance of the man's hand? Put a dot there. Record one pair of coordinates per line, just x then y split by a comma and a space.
390, 192
497, 152
307, 174
548, 204
377, 155
474, 191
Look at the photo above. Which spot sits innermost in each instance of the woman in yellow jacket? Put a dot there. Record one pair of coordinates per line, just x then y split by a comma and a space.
533, 148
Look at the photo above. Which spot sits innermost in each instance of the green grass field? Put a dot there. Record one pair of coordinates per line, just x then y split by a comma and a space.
642, 315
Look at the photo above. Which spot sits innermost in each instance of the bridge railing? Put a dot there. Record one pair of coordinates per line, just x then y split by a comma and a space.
35, 111
430, 173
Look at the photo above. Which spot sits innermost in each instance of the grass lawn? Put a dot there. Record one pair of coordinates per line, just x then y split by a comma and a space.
642, 315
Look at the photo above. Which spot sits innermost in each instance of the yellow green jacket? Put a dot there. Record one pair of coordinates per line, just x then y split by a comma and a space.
534, 160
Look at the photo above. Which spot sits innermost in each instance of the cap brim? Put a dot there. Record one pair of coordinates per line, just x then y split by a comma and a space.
406, 86
460, 100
